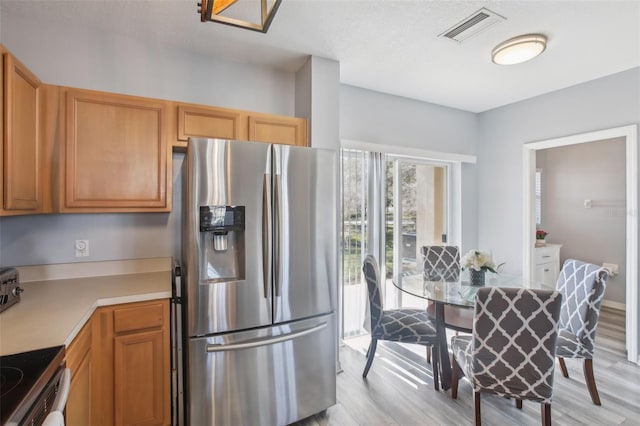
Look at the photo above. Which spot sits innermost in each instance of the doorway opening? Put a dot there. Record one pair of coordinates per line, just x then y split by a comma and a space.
629, 134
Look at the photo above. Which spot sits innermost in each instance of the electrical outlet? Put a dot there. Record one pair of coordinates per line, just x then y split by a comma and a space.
611, 267
82, 248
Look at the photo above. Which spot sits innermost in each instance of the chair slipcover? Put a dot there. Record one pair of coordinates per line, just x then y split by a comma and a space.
441, 263
399, 325
582, 287
512, 350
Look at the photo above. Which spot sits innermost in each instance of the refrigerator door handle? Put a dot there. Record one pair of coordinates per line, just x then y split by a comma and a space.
277, 234
266, 233
265, 342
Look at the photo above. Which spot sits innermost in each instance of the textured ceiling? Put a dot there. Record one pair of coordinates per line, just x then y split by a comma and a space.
390, 46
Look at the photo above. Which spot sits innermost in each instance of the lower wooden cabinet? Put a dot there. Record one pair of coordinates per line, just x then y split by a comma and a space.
78, 357
139, 378
124, 376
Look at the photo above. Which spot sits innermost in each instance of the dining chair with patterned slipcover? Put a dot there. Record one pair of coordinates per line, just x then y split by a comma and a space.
397, 325
511, 351
442, 263
582, 286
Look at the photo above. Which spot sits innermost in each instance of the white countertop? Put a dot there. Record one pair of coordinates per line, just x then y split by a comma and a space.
52, 312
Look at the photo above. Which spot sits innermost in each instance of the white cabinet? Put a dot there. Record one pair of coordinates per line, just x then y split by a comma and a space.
547, 265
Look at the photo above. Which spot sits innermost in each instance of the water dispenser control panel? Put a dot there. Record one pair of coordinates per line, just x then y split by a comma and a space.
221, 219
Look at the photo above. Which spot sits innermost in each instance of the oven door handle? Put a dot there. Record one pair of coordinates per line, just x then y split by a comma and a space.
56, 416
63, 391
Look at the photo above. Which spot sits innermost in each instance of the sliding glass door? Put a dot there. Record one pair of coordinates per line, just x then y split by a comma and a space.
391, 207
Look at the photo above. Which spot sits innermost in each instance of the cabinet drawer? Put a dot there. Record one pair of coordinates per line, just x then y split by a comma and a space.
546, 255
138, 318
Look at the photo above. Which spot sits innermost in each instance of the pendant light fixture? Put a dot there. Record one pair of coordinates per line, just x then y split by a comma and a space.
255, 15
519, 49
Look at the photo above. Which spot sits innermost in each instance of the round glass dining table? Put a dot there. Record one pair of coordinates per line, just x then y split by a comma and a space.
459, 293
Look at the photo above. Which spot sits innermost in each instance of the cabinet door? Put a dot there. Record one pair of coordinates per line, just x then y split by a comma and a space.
546, 274
116, 153
78, 409
21, 150
78, 357
551, 274
209, 122
278, 129
139, 378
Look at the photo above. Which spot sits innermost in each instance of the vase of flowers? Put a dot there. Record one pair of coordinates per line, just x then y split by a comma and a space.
541, 236
478, 263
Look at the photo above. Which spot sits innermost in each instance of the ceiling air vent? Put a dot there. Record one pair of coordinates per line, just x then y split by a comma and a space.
478, 21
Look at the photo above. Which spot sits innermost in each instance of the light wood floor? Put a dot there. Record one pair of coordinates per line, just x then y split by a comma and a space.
399, 389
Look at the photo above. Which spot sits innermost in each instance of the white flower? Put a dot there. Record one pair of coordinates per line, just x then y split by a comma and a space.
477, 260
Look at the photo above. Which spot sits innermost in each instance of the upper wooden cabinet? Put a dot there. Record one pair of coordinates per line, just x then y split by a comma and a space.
278, 129
213, 122
71, 150
209, 122
116, 153
21, 147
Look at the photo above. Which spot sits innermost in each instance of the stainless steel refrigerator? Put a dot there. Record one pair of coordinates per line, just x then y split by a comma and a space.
259, 277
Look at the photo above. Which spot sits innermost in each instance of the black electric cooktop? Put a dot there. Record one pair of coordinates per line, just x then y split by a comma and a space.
24, 375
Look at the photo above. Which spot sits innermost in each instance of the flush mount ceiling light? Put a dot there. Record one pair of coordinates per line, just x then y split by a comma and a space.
519, 49
255, 15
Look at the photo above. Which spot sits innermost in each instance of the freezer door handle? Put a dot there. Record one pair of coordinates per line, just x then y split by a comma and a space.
265, 342
266, 233
277, 229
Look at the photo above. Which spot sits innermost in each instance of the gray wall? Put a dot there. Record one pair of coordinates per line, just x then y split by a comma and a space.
604, 103
589, 171
90, 59
376, 117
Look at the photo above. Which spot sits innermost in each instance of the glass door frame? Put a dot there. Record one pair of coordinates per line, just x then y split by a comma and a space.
398, 209
457, 166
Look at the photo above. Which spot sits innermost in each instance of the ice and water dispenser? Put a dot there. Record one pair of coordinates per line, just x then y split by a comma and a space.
222, 238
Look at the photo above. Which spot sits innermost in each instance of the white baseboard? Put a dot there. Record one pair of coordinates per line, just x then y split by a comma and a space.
614, 305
